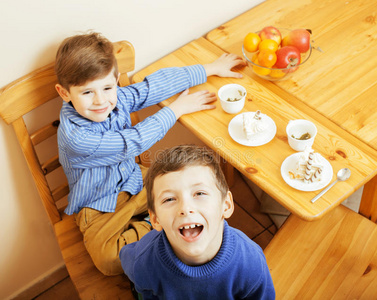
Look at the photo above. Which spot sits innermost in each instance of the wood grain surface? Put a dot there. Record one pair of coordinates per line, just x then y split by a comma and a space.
262, 164
341, 81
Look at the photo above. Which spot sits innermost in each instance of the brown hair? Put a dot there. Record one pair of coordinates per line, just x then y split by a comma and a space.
176, 159
85, 57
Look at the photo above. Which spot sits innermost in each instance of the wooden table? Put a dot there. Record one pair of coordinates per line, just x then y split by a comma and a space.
262, 164
341, 81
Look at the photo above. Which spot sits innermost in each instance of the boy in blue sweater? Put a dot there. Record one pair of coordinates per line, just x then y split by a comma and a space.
98, 144
193, 253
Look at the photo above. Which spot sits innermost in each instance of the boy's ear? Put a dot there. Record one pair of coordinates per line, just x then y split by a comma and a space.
228, 205
154, 220
62, 92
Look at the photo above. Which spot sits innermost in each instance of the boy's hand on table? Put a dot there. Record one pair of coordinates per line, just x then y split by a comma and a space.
223, 65
188, 103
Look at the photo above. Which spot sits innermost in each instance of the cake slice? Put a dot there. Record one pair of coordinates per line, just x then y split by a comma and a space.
253, 124
308, 167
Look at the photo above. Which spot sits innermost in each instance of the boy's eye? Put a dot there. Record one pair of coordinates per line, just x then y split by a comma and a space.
201, 193
86, 92
166, 200
108, 88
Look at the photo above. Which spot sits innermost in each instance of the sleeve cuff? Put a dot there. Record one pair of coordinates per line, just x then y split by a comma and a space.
197, 74
166, 117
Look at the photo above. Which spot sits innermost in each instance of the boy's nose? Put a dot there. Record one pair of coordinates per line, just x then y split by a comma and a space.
186, 208
99, 98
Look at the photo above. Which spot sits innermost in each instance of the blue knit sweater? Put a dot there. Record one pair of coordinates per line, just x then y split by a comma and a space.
238, 271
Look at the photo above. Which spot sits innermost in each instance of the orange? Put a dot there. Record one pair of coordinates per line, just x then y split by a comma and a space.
267, 58
277, 73
268, 45
255, 57
251, 42
260, 70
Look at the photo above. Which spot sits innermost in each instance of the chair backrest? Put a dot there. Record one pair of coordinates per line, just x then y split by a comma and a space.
32, 91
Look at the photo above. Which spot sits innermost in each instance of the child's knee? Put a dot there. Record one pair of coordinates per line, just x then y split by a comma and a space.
107, 263
105, 252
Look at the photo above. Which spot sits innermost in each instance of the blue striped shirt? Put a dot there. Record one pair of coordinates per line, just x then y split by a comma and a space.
98, 158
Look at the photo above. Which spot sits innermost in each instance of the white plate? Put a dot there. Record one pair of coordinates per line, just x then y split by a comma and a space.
236, 132
289, 164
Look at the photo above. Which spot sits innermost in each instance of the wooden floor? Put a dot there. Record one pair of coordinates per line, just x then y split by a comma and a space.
246, 217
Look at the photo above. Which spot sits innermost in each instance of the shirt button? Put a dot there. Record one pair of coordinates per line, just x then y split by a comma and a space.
122, 169
118, 188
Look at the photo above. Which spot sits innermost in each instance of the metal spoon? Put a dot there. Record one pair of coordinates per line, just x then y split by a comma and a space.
343, 174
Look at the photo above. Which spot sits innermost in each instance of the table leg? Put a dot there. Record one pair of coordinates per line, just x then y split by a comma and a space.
368, 204
228, 170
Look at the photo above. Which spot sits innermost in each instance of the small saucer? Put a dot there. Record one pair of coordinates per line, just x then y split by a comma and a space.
236, 132
289, 164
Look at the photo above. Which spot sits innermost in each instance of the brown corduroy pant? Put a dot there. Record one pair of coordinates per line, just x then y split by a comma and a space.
106, 233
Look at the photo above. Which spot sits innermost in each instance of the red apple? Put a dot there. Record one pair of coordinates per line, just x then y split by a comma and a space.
288, 57
299, 38
270, 32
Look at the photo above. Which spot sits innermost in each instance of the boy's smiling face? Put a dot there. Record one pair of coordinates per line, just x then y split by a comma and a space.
93, 100
191, 211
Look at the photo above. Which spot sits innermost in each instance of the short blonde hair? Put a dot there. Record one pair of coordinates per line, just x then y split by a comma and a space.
85, 57
179, 157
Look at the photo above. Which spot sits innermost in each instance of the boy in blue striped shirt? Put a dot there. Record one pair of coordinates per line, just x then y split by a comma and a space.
98, 144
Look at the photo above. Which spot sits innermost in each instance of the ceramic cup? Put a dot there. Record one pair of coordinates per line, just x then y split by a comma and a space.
232, 98
297, 129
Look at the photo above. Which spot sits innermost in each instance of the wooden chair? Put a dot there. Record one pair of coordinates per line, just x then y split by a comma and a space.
332, 258
16, 100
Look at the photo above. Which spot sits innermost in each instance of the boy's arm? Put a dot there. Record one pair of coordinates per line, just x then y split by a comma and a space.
160, 86
86, 147
265, 288
127, 260
167, 82
201, 100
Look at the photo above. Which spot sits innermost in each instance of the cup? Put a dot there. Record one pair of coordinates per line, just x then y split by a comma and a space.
232, 98
301, 134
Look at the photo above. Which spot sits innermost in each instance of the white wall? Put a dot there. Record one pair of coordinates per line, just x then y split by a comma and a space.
31, 31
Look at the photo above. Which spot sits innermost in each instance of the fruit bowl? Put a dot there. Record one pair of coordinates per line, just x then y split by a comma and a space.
274, 73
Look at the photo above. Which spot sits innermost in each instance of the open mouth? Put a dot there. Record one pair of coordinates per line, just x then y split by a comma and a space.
191, 231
